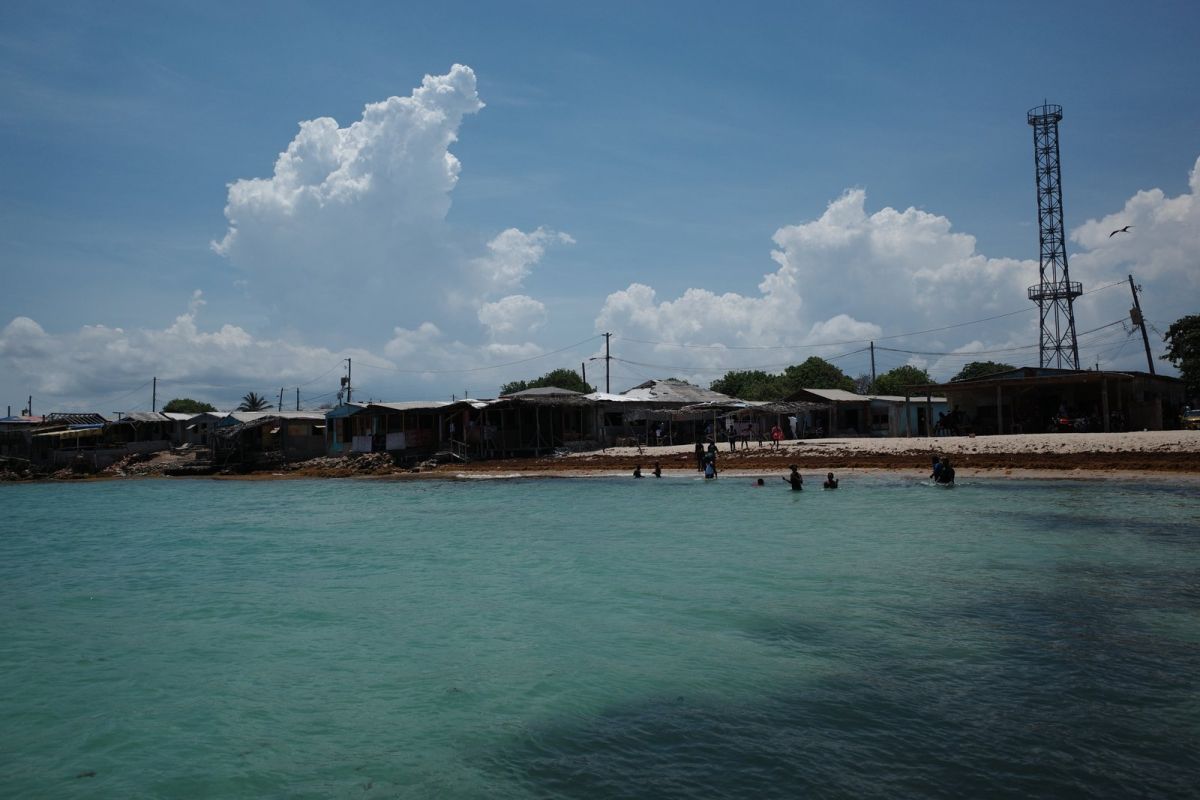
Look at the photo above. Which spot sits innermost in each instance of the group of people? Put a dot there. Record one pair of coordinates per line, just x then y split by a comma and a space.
943, 471
708, 465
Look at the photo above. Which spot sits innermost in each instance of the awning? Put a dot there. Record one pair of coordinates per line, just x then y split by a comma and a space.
79, 433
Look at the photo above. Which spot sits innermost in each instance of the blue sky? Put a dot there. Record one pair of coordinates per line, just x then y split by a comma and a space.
650, 163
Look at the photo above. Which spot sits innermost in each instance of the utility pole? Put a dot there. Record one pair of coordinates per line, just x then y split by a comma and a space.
297, 398
346, 381
607, 358
154, 396
280, 408
872, 366
583, 371
1135, 314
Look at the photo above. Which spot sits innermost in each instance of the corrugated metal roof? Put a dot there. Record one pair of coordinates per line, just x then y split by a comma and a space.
76, 418
255, 416
545, 391
143, 416
674, 391
838, 395
416, 405
899, 398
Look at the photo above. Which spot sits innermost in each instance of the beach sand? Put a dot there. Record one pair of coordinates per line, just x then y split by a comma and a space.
1027, 455
1163, 455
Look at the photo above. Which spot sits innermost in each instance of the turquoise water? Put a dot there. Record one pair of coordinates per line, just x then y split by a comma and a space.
599, 638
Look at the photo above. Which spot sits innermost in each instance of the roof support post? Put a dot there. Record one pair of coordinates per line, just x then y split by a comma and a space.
999, 410
907, 416
1104, 403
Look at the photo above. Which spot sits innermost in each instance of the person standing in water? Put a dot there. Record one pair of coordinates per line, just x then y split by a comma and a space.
657, 470
795, 479
637, 471
946, 474
830, 482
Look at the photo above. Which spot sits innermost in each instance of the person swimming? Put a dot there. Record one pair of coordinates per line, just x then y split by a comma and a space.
795, 479
830, 482
760, 482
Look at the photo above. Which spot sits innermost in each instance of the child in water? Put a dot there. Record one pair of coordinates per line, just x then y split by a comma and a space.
830, 482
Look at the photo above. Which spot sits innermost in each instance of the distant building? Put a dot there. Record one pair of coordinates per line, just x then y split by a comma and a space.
1041, 399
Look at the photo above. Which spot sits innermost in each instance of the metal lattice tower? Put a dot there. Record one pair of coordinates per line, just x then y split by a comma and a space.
1055, 294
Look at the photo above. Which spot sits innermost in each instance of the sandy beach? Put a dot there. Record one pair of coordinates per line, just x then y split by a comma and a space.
1164, 453
1170, 455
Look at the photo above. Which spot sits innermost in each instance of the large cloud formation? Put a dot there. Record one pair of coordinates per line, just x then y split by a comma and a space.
852, 275
352, 223
351, 226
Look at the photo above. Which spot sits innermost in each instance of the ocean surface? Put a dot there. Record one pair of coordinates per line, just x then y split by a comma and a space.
599, 638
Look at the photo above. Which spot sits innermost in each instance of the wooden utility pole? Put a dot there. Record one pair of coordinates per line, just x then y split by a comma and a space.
607, 358
297, 398
280, 408
872, 366
583, 371
154, 395
1135, 314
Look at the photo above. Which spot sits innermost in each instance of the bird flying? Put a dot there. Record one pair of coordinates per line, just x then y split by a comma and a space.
1120, 230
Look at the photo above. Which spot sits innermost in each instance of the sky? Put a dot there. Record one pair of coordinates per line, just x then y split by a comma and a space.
232, 197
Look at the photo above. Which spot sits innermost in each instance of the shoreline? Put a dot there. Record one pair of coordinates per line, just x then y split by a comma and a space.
1167, 455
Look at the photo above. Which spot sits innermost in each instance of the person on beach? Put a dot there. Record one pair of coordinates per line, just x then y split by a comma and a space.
776, 436
657, 470
946, 473
699, 456
795, 479
637, 471
758, 429
830, 482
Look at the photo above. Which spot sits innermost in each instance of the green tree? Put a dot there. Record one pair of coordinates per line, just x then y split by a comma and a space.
978, 369
748, 385
561, 378
1183, 351
253, 402
815, 373
186, 405
895, 381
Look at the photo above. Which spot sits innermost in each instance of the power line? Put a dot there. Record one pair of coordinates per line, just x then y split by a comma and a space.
857, 341
482, 369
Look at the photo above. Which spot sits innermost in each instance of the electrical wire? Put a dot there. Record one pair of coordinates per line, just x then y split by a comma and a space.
483, 369
857, 341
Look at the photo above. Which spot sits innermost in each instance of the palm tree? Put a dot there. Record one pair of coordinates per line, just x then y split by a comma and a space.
253, 402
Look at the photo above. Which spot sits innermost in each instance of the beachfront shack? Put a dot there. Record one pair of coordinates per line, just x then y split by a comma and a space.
262, 438
52, 439
848, 414
535, 421
410, 431
1044, 399
634, 416
197, 429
